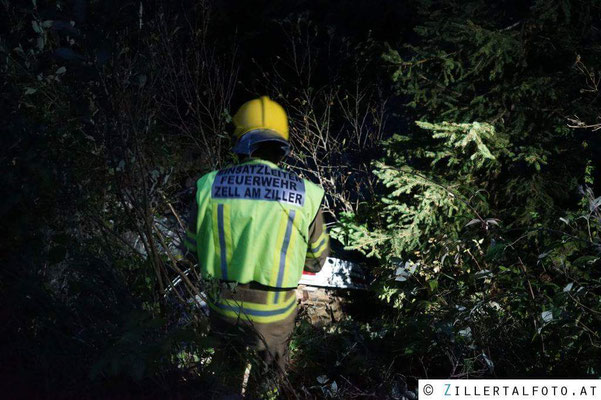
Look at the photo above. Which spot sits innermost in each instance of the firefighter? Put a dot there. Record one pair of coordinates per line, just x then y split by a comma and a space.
255, 227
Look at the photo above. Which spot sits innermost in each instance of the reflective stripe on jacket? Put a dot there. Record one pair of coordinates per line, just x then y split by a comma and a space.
250, 302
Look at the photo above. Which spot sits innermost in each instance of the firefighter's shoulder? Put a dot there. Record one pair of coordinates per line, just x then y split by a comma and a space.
208, 177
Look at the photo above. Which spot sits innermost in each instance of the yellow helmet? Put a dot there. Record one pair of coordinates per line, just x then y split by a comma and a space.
260, 120
262, 113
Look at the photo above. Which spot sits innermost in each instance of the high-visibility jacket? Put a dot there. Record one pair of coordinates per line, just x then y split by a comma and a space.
252, 225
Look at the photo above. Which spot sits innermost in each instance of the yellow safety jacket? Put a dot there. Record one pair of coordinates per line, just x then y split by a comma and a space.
253, 226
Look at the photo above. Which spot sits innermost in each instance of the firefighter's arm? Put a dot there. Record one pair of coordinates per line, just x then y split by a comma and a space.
189, 246
318, 248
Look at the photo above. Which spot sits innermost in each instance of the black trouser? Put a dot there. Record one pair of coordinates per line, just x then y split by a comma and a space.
239, 341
